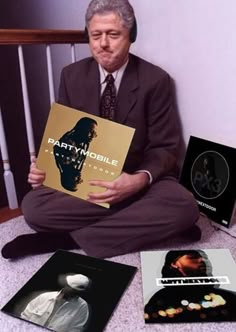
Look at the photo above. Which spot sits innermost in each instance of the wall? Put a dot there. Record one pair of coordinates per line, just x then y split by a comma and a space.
193, 40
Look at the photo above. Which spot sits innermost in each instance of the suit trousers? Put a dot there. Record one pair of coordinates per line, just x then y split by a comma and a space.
158, 213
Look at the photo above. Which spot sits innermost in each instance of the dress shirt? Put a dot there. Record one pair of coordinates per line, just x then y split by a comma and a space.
71, 316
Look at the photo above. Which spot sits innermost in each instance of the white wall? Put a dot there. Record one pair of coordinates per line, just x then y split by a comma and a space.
195, 41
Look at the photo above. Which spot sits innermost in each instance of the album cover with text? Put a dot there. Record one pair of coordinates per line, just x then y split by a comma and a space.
191, 285
209, 173
78, 147
71, 293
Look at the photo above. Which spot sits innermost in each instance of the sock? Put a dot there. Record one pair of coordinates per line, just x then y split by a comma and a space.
38, 243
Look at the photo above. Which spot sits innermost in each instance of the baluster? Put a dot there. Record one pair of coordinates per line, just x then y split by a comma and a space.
73, 56
29, 128
50, 74
8, 176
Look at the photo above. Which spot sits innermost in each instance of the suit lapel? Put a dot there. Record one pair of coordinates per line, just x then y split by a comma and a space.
92, 87
127, 94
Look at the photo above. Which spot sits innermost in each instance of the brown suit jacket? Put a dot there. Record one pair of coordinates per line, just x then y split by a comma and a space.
144, 103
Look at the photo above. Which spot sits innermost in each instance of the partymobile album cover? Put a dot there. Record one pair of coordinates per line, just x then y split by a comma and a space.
78, 147
192, 285
209, 173
71, 293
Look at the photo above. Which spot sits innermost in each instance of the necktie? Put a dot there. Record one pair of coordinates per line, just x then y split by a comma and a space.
108, 99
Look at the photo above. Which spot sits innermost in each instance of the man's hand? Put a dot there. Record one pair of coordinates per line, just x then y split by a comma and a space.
36, 176
116, 191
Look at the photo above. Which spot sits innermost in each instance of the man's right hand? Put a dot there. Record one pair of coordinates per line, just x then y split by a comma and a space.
36, 176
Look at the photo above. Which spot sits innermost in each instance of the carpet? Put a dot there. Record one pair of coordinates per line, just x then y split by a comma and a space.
128, 315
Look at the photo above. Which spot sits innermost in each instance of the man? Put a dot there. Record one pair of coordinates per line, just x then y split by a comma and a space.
61, 311
80, 137
188, 302
147, 203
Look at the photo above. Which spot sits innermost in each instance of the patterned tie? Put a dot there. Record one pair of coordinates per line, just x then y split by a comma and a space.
108, 99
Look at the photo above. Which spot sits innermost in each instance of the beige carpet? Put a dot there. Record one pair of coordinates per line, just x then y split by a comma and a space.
128, 315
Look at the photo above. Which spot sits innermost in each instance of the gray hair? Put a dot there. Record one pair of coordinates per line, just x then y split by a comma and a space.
122, 7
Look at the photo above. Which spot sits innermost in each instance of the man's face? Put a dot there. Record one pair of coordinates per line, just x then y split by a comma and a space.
190, 265
109, 40
92, 132
69, 292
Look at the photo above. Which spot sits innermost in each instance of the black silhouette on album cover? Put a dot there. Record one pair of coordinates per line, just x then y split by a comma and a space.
70, 161
189, 303
210, 174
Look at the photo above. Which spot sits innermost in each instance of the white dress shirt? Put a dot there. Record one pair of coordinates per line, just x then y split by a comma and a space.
70, 316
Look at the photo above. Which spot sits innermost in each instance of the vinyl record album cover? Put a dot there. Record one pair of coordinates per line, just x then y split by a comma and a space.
209, 173
78, 147
71, 293
192, 285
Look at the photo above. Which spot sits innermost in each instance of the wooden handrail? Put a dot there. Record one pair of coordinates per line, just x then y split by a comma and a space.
41, 36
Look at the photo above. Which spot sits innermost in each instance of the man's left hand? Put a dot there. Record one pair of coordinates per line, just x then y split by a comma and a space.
121, 188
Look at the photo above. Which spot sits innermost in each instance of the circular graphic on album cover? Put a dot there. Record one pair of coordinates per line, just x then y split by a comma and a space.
210, 174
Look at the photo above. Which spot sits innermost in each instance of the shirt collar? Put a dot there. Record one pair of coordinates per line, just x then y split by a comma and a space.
118, 74
58, 296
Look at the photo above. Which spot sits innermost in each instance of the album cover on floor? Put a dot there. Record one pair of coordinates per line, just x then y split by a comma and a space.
209, 173
78, 147
191, 285
72, 293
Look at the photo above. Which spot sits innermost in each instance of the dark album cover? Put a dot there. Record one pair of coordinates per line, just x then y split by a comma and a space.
209, 173
192, 285
78, 147
72, 293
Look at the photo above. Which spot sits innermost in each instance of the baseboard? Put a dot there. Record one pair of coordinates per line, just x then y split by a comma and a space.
7, 214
